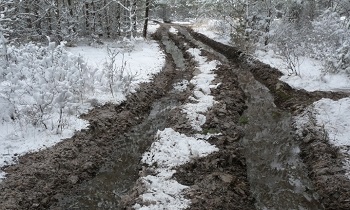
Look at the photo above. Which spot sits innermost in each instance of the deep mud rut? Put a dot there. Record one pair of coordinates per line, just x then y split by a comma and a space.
260, 164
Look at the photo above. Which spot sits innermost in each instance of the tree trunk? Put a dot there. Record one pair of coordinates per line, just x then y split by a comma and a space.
145, 26
107, 21
87, 18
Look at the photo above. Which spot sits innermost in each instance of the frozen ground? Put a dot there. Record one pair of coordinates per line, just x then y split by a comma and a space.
141, 58
332, 115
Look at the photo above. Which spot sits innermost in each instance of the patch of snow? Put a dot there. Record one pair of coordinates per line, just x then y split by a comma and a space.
311, 76
170, 149
202, 100
181, 86
163, 192
173, 30
152, 27
141, 59
209, 29
17, 140
183, 22
335, 117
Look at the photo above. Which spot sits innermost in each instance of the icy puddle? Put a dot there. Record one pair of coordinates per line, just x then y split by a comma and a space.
277, 176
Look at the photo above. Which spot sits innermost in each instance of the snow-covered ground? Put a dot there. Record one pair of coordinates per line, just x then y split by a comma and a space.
310, 75
173, 149
334, 116
141, 58
210, 27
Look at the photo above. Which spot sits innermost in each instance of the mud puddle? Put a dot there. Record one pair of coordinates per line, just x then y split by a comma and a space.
277, 176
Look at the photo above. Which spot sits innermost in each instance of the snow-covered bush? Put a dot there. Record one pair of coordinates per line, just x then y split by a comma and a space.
330, 42
43, 85
115, 76
325, 39
288, 42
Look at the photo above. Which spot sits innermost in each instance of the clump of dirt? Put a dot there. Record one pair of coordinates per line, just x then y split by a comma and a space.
42, 178
323, 160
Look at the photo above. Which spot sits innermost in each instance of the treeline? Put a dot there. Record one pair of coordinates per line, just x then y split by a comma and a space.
60, 20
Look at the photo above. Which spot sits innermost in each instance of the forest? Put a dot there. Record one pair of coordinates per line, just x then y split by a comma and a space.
317, 28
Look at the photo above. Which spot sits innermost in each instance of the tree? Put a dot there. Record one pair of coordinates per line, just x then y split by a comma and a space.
146, 18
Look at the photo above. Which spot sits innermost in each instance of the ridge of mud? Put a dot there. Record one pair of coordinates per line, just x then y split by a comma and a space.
42, 178
219, 181
284, 95
323, 160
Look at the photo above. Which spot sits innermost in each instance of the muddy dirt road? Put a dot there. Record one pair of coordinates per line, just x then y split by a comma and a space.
261, 163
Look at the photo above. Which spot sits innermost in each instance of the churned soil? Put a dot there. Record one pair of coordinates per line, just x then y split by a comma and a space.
218, 181
323, 160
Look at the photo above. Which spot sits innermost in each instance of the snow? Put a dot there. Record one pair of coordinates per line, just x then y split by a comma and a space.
209, 27
172, 149
173, 30
334, 116
310, 74
152, 27
181, 86
142, 60
202, 84
163, 192
19, 139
